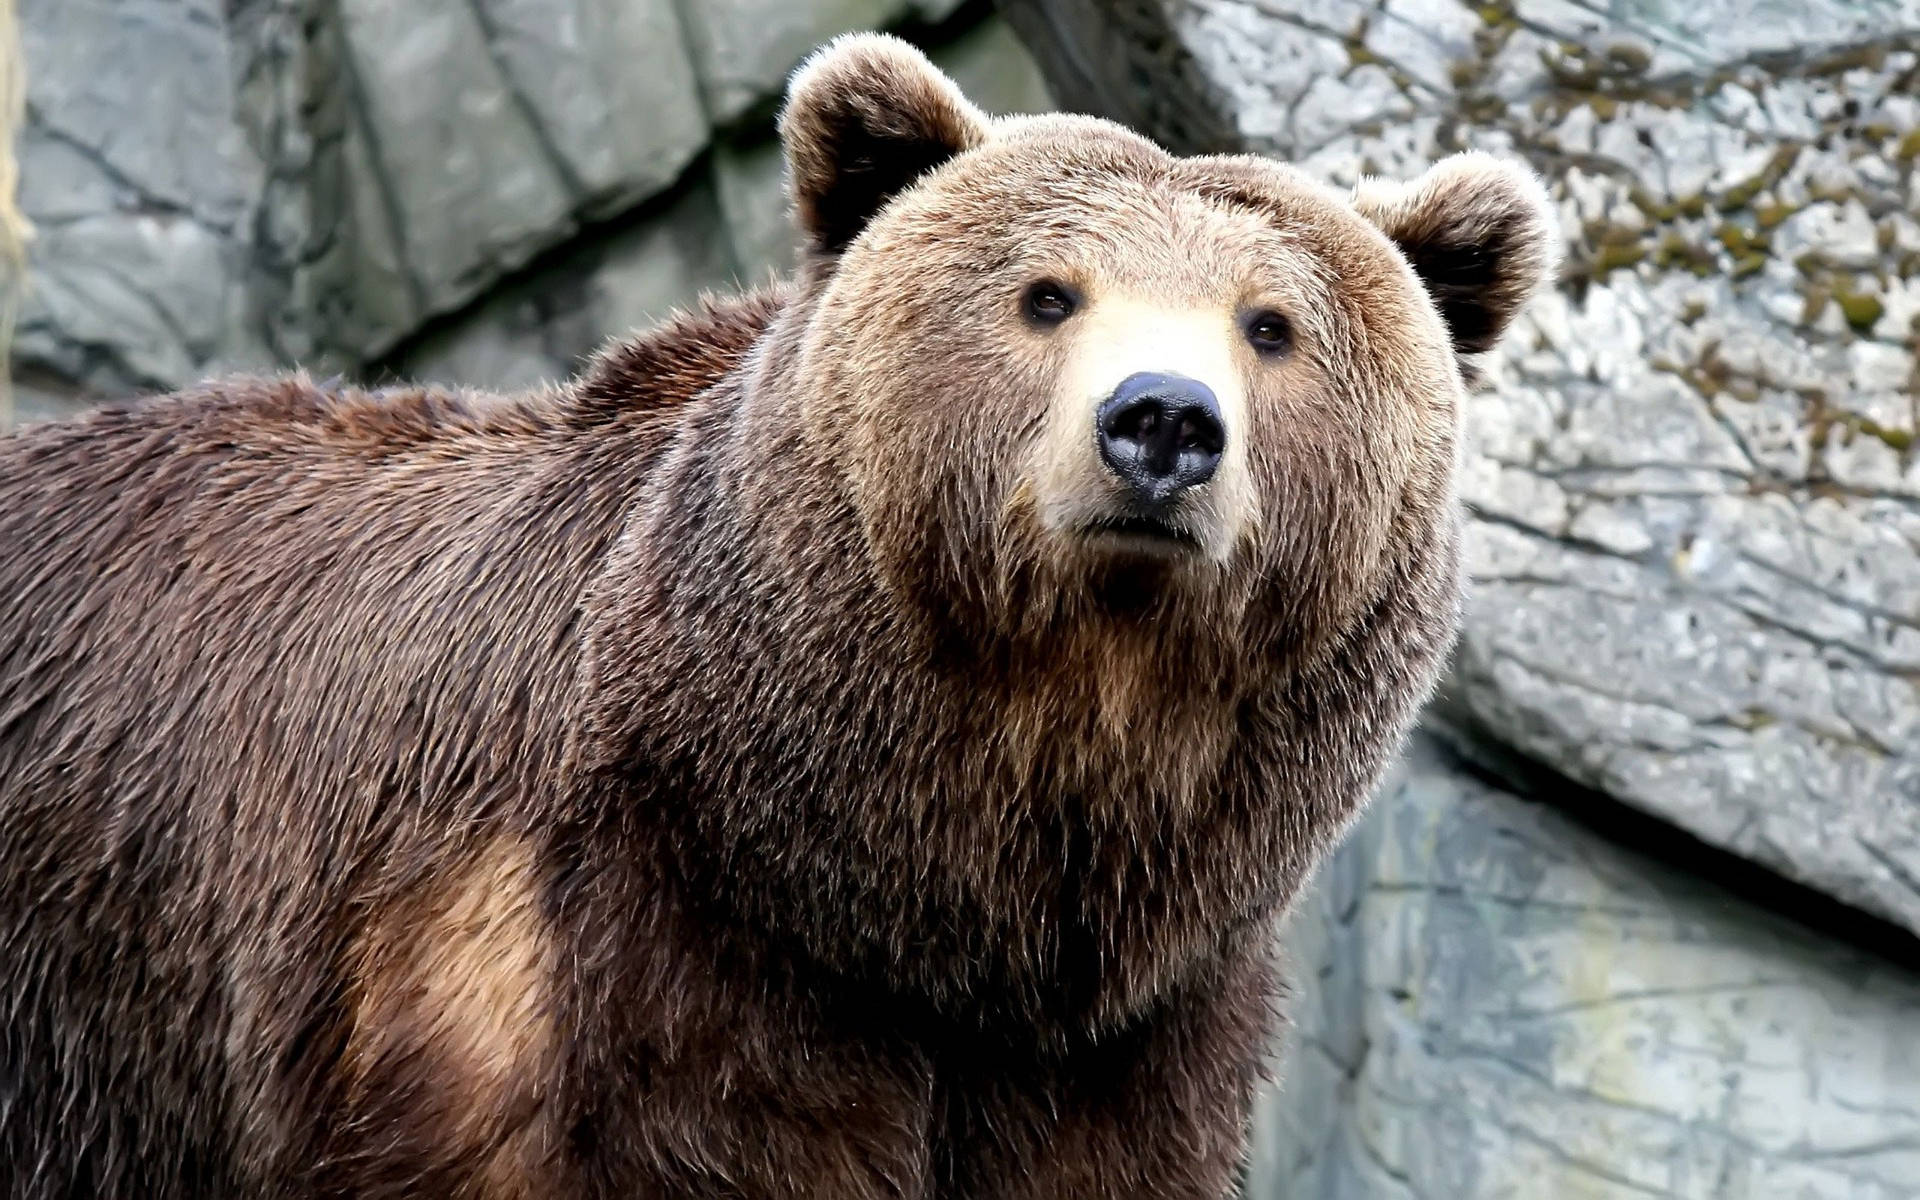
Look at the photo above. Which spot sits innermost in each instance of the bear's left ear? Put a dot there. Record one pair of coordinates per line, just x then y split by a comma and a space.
865, 117
1480, 233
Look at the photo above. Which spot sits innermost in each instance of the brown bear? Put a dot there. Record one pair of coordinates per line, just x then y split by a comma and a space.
852, 742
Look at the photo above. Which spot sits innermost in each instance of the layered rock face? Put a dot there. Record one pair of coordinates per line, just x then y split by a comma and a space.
476, 191
1695, 621
1495, 1001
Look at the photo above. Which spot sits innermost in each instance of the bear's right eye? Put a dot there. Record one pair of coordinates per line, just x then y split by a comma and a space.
1049, 303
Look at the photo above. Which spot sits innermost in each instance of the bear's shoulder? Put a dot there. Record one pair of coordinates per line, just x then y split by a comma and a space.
664, 367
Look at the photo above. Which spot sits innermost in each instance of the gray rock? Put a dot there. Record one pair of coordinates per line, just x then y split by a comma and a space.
140, 206
750, 178
932, 12
1494, 1002
994, 69
323, 177
543, 327
122, 301
487, 131
329, 177
744, 51
38, 395
1122, 59
539, 328
96, 68
291, 100
1696, 536
608, 85
647, 273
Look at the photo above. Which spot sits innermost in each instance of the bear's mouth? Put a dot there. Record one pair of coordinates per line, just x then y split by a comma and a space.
1143, 532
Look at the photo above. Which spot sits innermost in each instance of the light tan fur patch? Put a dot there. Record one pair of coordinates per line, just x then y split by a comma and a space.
452, 1014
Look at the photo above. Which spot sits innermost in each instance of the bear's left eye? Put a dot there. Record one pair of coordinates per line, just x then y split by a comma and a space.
1269, 332
1049, 303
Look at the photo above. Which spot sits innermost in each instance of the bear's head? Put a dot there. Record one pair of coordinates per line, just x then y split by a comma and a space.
1048, 584
1065, 373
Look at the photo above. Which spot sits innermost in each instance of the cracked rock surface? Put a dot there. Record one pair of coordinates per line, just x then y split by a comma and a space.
724, 227
1506, 1005
1692, 470
141, 207
474, 190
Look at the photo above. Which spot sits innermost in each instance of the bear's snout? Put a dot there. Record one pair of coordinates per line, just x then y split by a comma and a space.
1161, 434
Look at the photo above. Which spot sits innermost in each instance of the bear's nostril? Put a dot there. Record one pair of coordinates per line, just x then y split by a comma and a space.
1199, 434
1135, 423
1161, 434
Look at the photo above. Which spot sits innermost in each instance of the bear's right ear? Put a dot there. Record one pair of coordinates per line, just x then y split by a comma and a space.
865, 117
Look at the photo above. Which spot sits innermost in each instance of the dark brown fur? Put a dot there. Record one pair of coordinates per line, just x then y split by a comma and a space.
685, 782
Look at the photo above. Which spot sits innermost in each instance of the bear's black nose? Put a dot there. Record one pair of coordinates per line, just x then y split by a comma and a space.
1162, 434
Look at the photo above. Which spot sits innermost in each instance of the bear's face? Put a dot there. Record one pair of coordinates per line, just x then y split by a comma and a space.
1064, 371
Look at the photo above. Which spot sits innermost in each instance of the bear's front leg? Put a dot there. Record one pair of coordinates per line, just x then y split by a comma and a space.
1158, 1110
703, 1064
749, 1111
502, 1049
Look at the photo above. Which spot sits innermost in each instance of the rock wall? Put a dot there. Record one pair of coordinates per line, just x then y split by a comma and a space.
1505, 1003
1695, 621
473, 191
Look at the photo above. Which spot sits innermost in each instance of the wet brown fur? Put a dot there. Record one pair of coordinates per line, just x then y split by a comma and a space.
710, 778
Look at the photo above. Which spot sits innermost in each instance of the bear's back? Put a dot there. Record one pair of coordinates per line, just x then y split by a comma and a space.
276, 576
305, 566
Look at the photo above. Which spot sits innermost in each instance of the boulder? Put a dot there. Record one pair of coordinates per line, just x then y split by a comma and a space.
745, 48
477, 189
540, 328
721, 228
486, 131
